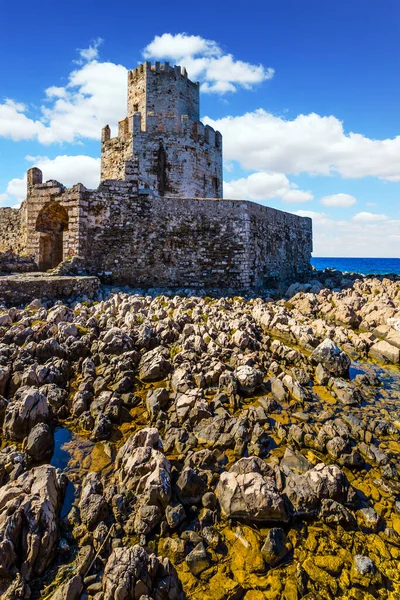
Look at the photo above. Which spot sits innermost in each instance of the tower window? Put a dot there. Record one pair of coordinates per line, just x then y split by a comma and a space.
136, 107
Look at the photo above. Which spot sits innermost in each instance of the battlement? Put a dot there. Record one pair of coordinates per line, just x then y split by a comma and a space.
160, 68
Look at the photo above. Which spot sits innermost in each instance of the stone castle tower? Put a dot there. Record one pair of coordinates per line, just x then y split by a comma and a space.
176, 155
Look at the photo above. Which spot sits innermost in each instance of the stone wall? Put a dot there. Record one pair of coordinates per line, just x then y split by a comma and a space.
10, 229
176, 242
280, 245
20, 289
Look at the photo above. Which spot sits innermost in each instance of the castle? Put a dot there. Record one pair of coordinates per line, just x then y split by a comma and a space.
158, 217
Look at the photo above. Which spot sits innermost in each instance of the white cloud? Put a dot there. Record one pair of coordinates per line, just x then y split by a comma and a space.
16, 125
90, 53
94, 96
340, 200
68, 170
367, 217
310, 144
263, 186
204, 59
354, 238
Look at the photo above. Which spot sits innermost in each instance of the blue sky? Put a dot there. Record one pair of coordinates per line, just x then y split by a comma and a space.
305, 94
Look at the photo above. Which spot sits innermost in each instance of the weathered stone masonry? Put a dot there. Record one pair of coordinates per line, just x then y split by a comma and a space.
141, 227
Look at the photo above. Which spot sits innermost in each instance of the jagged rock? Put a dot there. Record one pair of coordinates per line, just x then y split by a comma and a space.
331, 358
154, 365
29, 511
249, 492
40, 442
28, 408
275, 547
93, 506
248, 378
197, 560
143, 469
306, 491
131, 573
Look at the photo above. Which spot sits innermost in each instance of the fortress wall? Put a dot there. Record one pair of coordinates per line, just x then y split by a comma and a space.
280, 245
170, 242
10, 230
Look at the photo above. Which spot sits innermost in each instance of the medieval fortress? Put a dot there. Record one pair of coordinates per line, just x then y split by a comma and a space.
158, 217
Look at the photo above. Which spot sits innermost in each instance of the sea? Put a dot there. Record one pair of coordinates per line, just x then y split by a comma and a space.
364, 266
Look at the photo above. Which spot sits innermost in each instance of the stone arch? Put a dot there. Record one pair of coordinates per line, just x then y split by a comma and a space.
51, 223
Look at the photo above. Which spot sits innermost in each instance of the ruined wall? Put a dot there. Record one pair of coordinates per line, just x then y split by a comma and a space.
52, 213
10, 231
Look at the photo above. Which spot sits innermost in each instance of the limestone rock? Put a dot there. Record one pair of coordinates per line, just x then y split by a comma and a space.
250, 495
29, 510
131, 573
331, 358
40, 442
28, 408
143, 469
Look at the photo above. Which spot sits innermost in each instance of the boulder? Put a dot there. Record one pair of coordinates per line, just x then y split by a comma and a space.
154, 365
29, 512
131, 573
306, 491
143, 469
28, 408
40, 442
334, 360
248, 378
249, 492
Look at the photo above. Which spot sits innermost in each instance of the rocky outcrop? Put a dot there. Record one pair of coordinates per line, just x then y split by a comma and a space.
29, 528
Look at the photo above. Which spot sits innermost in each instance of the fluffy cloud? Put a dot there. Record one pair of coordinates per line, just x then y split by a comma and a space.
218, 72
263, 186
94, 96
310, 144
340, 200
367, 217
354, 238
69, 170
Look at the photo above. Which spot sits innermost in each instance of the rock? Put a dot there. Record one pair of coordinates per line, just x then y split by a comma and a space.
248, 378
385, 352
40, 442
334, 360
29, 509
130, 573
175, 515
197, 560
143, 469
156, 400
28, 408
102, 428
190, 487
71, 590
346, 392
363, 564
275, 547
250, 495
306, 491
93, 506
154, 365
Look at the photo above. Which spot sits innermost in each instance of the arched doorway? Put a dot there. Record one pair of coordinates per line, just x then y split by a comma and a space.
51, 223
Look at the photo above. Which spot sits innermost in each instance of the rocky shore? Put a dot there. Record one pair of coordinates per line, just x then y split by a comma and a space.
171, 447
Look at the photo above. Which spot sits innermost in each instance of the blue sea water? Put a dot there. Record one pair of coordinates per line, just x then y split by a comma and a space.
365, 266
